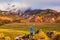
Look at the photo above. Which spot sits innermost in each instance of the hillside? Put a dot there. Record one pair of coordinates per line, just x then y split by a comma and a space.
35, 16
45, 16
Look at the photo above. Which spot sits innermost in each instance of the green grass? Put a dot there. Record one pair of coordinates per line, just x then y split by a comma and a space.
44, 27
17, 26
10, 34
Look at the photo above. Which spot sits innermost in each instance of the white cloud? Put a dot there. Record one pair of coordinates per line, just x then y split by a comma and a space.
27, 3
30, 1
3, 6
37, 0
56, 8
16, 5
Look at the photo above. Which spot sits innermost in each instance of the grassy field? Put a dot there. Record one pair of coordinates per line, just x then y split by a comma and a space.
24, 27
13, 30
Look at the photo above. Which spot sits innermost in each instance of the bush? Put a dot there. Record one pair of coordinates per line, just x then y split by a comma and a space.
57, 37
1, 22
1, 35
7, 38
6, 21
58, 21
49, 34
16, 20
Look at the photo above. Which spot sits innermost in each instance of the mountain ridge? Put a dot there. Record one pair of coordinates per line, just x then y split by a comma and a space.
36, 15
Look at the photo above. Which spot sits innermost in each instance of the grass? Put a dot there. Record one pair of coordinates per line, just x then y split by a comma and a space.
23, 27
10, 34
44, 27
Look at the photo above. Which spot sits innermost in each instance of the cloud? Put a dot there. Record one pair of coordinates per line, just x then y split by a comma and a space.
56, 8
17, 5
41, 4
3, 6
31, 1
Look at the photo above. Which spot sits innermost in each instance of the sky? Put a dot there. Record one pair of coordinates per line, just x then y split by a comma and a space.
34, 4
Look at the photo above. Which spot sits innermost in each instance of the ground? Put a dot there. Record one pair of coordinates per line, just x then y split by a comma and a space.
15, 29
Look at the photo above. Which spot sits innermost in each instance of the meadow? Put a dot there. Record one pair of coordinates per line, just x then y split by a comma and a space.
15, 29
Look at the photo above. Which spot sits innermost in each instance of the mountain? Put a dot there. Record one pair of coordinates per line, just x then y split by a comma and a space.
39, 11
36, 15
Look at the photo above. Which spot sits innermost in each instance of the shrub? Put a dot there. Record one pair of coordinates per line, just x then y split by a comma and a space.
7, 38
57, 37
1, 35
16, 20
6, 21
